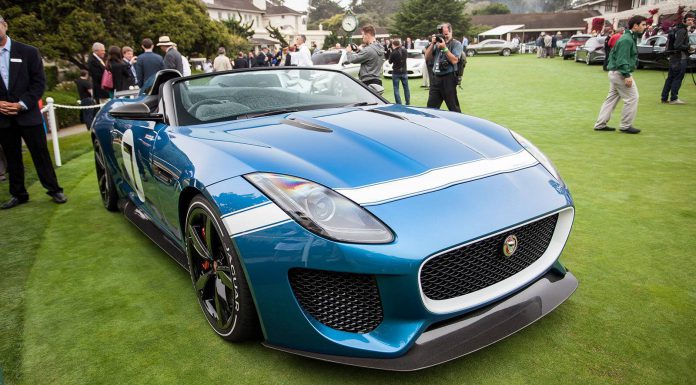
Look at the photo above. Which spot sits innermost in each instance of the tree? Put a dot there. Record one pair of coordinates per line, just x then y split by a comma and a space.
322, 9
492, 9
236, 27
66, 29
275, 33
419, 18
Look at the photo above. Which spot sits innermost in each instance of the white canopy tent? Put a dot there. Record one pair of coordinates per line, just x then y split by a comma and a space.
501, 30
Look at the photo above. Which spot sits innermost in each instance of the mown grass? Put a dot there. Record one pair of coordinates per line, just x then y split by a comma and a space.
104, 305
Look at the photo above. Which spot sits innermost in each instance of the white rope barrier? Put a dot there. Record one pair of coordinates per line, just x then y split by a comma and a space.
50, 108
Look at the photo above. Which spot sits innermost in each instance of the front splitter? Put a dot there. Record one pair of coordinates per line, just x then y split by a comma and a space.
471, 332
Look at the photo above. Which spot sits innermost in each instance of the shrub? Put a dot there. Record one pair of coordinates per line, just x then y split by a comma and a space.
65, 117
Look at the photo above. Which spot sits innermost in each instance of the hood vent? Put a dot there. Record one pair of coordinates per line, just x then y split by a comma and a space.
293, 121
387, 113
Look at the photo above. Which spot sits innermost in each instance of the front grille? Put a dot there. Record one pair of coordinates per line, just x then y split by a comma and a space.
343, 301
481, 264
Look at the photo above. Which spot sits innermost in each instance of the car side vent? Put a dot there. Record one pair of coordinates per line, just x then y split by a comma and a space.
293, 121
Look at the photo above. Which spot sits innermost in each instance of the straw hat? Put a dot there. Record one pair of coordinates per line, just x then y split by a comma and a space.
164, 40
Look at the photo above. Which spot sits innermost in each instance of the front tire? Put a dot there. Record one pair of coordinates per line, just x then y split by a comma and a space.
506, 52
107, 188
217, 275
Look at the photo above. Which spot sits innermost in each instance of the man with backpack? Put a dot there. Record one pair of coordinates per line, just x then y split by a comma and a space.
445, 52
678, 49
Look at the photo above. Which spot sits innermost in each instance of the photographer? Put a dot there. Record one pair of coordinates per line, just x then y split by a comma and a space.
444, 51
370, 58
679, 51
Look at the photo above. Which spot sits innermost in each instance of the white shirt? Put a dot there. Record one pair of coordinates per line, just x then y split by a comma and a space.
304, 57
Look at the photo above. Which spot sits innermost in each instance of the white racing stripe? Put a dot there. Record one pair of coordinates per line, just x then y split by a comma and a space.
254, 219
268, 215
437, 179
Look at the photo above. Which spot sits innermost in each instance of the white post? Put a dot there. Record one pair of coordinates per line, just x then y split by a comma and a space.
52, 126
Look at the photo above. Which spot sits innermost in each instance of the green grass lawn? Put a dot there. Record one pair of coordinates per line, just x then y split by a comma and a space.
86, 299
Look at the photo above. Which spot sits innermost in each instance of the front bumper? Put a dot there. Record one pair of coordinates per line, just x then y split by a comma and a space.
471, 332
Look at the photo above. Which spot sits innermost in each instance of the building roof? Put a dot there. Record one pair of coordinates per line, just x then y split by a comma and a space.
233, 5
537, 21
272, 9
501, 30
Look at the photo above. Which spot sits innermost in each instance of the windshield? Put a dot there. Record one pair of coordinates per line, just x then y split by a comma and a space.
326, 58
415, 55
595, 42
247, 94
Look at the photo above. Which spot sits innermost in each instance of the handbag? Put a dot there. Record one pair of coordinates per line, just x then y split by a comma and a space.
107, 82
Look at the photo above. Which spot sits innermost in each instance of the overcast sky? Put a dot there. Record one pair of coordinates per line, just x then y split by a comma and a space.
301, 5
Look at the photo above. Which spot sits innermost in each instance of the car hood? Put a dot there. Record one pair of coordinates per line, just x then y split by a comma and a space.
351, 147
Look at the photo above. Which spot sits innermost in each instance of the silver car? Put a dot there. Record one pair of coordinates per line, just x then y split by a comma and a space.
336, 60
501, 47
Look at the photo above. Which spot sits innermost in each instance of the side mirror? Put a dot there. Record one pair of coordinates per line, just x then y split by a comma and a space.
135, 111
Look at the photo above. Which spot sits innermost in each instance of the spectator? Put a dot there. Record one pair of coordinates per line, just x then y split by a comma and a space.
207, 66
262, 58
608, 32
515, 42
240, 61
445, 54
678, 45
548, 42
128, 57
287, 59
222, 62
465, 42
622, 63
427, 69
398, 60
120, 71
148, 63
337, 46
172, 57
409, 44
304, 57
251, 59
84, 92
95, 66
20, 118
541, 52
370, 58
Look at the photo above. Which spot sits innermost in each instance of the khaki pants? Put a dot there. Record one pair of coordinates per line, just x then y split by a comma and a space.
618, 90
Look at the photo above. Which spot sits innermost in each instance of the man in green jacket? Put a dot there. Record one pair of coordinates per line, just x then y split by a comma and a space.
622, 63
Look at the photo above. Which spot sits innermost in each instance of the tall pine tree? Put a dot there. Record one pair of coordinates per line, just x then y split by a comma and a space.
419, 18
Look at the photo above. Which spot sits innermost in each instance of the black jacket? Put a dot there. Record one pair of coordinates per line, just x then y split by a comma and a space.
678, 41
398, 59
96, 71
148, 64
121, 73
27, 84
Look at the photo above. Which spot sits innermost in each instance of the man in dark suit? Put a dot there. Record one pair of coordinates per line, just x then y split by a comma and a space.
172, 57
95, 66
148, 63
23, 83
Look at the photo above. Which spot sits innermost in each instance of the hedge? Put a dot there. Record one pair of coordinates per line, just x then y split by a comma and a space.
65, 117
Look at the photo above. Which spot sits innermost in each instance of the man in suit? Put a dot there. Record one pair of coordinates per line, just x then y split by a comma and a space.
23, 83
172, 57
95, 66
148, 63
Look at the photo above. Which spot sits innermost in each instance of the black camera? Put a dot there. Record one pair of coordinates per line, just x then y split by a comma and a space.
440, 36
354, 47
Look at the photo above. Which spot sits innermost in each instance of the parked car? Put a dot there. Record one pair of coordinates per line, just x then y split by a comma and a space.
651, 52
336, 60
414, 64
332, 224
592, 51
500, 47
560, 44
572, 44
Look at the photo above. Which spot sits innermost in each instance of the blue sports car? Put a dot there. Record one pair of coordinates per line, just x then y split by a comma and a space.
314, 215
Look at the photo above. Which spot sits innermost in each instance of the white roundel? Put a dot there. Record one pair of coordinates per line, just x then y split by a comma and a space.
130, 162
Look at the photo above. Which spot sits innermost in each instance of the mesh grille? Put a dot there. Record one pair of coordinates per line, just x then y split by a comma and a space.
343, 301
482, 264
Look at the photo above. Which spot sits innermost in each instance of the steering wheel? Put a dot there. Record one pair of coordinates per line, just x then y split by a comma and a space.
194, 107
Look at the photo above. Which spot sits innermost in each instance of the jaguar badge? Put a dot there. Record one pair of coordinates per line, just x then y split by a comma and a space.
510, 245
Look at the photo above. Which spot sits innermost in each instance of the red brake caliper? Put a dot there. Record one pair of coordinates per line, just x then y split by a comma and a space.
206, 264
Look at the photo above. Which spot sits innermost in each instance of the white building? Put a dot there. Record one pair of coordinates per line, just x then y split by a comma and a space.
618, 10
264, 13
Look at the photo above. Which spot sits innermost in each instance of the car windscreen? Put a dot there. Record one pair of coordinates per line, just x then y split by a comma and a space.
248, 94
415, 55
580, 38
595, 42
326, 58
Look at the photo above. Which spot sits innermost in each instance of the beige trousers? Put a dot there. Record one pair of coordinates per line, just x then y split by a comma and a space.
618, 90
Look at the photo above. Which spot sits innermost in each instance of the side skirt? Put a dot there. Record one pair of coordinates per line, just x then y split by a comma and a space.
143, 221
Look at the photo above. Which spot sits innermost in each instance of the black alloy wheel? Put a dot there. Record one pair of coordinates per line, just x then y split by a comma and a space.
107, 188
217, 275
587, 59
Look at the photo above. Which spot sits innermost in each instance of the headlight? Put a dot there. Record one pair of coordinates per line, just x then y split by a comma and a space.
321, 210
536, 153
